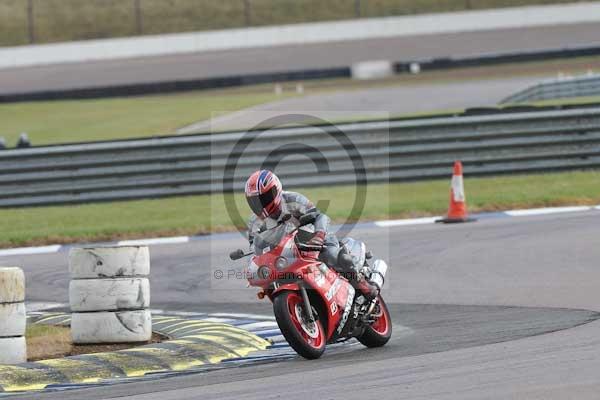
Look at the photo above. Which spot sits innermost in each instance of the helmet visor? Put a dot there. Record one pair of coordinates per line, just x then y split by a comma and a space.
260, 202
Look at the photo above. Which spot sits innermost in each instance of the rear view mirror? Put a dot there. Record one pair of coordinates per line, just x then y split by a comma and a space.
286, 217
237, 254
308, 218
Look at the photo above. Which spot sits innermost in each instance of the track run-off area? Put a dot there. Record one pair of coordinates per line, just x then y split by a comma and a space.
498, 308
212, 64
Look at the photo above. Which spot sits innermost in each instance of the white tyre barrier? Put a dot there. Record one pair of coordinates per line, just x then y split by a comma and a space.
378, 69
109, 294
111, 327
13, 319
109, 262
12, 285
13, 350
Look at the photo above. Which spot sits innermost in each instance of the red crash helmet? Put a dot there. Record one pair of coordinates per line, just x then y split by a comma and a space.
263, 193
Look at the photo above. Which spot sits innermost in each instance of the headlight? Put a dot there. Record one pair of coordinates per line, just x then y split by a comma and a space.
281, 263
264, 272
252, 267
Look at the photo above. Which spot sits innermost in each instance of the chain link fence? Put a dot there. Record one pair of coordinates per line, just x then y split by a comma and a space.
44, 21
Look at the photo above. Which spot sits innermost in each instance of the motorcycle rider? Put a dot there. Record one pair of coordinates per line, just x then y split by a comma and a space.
270, 203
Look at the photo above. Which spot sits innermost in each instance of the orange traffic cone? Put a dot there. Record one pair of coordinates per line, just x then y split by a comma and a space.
457, 211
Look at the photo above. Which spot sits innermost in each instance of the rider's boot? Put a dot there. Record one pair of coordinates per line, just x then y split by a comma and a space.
358, 281
342, 262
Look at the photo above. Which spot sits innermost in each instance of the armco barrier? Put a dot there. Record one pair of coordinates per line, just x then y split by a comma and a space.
178, 86
567, 87
482, 60
388, 151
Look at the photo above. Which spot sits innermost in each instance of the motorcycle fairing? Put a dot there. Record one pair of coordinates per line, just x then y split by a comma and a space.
337, 295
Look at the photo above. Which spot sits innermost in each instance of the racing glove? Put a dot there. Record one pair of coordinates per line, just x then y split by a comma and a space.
317, 240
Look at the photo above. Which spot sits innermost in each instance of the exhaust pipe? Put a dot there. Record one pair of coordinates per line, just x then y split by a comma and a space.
378, 271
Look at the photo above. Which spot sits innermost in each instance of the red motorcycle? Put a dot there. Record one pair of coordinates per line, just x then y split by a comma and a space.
314, 304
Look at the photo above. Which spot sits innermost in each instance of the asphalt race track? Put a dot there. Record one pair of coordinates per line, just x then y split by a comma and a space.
378, 102
500, 308
286, 58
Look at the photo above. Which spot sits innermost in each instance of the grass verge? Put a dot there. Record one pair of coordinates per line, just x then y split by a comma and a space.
45, 342
51, 122
204, 214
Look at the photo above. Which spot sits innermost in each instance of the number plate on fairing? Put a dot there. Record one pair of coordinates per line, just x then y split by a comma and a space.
337, 293
347, 308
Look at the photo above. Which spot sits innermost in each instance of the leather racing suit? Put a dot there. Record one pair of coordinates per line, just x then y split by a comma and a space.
297, 205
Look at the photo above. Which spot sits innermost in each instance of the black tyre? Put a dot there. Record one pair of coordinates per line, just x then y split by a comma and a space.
379, 332
306, 339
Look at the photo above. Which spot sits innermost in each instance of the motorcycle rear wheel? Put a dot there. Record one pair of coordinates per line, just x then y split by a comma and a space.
379, 332
308, 340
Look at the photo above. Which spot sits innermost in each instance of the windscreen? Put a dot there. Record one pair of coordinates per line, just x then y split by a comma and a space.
267, 240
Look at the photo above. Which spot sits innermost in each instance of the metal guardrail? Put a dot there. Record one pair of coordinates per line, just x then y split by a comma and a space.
385, 151
562, 88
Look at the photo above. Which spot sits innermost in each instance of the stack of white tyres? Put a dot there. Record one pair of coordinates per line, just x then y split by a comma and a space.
13, 348
109, 294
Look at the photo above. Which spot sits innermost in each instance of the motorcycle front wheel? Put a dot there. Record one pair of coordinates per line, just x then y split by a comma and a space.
306, 338
380, 331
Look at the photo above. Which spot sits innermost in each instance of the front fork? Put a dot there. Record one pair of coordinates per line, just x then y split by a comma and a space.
295, 286
307, 306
